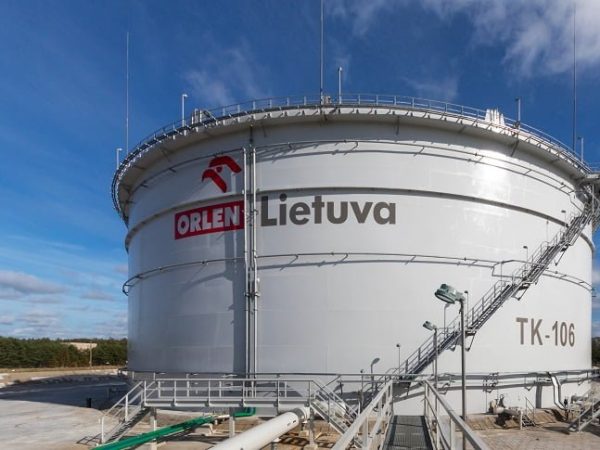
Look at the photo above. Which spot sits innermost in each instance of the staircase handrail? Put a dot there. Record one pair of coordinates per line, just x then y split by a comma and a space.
121, 409
329, 394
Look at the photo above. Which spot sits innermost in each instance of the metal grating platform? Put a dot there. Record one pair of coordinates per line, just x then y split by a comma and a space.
407, 432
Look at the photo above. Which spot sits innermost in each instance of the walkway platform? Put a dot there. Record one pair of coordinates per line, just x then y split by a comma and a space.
407, 432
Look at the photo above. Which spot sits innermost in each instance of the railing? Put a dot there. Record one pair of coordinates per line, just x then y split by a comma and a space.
121, 412
529, 414
215, 117
378, 256
197, 391
370, 426
443, 425
230, 392
588, 409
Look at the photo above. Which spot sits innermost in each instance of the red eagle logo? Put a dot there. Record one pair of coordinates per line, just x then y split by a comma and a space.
215, 167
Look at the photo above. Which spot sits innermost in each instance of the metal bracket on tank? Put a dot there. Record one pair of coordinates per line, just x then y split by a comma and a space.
472, 336
490, 382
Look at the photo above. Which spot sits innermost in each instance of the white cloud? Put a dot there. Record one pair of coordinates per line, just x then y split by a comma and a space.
115, 328
445, 88
19, 284
226, 76
537, 34
6, 319
363, 14
122, 269
96, 294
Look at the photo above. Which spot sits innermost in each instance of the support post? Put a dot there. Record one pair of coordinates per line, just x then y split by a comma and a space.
463, 367
365, 435
231, 423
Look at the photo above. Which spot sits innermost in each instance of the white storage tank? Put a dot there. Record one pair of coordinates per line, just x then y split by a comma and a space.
295, 236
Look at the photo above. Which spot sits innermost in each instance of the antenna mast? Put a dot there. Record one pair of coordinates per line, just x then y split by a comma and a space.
127, 94
321, 60
574, 77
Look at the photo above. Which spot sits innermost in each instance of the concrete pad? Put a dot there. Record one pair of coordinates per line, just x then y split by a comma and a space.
33, 425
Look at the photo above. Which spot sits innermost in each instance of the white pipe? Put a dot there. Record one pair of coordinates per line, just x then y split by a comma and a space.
263, 434
556, 391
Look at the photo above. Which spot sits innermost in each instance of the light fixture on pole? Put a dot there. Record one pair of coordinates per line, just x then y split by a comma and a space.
398, 346
431, 327
526, 253
375, 361
579, 138
183, 97
119, 150
448, 294
340, 85
518, 123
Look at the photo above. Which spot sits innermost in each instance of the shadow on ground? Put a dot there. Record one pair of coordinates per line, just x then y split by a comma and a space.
98, 391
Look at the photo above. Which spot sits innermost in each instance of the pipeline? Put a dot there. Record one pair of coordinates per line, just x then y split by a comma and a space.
556, 392
153, 435
245, 412
265, 433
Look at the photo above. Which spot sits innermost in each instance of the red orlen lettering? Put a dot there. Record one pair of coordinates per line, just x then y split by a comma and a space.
209, 219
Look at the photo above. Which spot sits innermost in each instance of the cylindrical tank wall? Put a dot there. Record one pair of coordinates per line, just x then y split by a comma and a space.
358, 222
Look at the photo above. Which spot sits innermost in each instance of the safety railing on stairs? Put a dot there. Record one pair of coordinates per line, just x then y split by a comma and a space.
527, 418
444, 423
590, 411
370, 426
120, 414
514, 285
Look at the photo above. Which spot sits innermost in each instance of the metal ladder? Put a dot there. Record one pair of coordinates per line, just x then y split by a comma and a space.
514, 287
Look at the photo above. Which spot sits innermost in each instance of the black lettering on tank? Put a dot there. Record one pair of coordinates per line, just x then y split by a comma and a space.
343, 212
390, 217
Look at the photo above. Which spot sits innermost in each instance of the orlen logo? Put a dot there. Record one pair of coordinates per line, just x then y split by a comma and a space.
209, 219
215, 167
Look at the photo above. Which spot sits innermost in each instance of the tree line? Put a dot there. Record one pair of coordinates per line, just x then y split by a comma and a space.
45, 352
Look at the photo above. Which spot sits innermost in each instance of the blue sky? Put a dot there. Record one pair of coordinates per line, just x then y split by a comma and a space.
62, 72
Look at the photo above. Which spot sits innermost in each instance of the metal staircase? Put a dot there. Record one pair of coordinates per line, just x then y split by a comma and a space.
124, 414
333, 409
586, 417
513, 286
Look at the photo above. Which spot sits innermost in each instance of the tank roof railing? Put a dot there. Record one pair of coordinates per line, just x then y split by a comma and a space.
214, 117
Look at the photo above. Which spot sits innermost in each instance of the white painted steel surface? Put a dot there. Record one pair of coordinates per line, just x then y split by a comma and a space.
449, 202
262, 435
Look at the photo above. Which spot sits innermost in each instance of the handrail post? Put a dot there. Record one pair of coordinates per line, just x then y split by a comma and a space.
127, 407
365, 434
437, 423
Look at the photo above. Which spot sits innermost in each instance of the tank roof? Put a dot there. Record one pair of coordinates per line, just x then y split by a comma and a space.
489, 122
